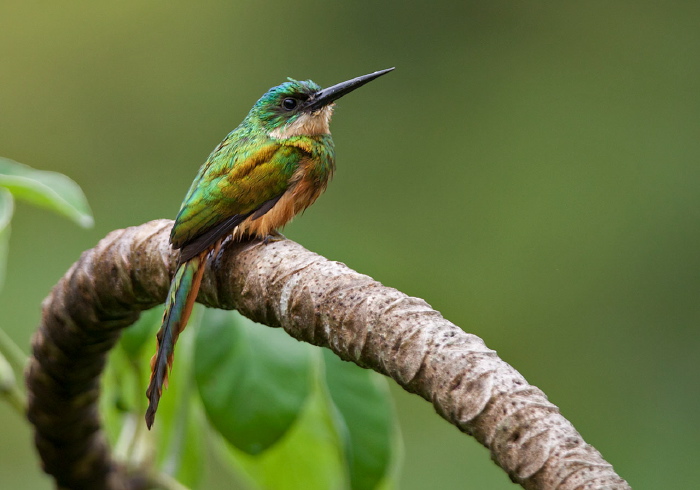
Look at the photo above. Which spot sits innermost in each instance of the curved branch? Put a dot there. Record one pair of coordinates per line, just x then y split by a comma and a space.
315, 300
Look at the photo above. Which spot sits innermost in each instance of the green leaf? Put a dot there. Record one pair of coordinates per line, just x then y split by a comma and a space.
141, 332
308, 456
49, 190
6, 209
365, 413
253, 380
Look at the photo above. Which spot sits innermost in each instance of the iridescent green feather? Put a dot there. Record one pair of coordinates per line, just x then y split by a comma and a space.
244, 184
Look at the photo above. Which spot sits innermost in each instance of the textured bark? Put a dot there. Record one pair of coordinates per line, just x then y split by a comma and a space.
315, 300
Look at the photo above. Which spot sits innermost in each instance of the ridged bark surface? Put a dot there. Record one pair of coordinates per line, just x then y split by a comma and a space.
315, 300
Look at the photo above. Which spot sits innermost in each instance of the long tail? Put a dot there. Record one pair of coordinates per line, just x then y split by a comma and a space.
178, 306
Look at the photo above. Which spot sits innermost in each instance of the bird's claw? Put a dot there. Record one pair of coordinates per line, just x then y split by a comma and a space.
273, 237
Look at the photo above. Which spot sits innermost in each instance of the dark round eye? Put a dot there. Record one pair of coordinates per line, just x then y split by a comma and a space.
289, 103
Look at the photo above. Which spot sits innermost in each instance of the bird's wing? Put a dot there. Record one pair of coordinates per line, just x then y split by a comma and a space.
224, 194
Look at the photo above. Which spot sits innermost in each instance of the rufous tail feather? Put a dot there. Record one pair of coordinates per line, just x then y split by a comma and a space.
178, 306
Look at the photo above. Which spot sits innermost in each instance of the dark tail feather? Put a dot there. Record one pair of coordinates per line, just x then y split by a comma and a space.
183, 292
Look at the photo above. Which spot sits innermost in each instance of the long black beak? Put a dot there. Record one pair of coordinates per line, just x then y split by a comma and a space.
327, 95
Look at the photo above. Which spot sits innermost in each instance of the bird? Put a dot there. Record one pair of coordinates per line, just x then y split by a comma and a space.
273, 166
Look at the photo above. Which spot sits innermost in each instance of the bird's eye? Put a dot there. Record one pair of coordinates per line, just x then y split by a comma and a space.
289, 103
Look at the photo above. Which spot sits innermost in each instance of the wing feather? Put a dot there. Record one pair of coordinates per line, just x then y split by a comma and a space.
228, 190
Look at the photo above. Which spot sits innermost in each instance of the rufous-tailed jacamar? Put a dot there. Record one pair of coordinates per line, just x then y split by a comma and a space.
271, 167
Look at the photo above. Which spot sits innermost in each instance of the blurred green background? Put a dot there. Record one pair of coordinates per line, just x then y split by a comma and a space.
530, 169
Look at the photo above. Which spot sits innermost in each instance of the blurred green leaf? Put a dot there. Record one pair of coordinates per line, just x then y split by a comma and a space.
308, 456
365, 411
253, 380
6, 209
144, 329
50, 190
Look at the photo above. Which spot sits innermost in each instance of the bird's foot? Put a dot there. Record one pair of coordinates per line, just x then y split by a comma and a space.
273, 237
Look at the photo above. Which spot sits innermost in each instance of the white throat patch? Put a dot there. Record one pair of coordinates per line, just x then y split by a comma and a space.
306, 125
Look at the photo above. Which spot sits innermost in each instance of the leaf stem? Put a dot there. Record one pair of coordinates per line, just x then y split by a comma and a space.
17, 399
165, 481
14, 355
140, 426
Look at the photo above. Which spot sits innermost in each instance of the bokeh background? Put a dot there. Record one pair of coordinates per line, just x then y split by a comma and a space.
531, 169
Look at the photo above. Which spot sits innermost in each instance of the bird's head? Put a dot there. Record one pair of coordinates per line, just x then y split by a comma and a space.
302, 107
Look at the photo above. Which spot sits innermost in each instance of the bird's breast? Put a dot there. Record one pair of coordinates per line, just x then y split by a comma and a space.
304, 189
